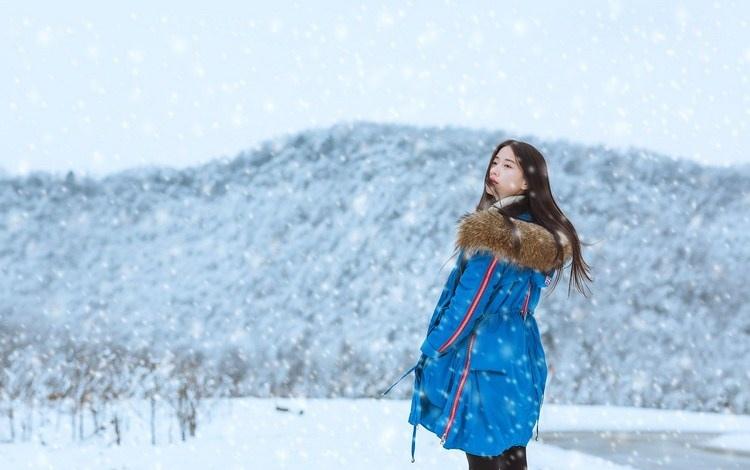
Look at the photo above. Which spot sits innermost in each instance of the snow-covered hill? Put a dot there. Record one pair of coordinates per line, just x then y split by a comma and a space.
310, 266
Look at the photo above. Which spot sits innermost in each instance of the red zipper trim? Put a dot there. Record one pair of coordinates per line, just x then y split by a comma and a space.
460, 389
474, 303
526, 302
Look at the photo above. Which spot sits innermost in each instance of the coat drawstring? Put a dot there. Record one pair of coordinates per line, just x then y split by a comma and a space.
417, 385
399, 380
413, 442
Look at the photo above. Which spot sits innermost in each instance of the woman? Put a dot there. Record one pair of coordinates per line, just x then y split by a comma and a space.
480, 380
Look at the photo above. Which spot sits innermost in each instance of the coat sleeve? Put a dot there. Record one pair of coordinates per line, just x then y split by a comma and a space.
477, 281
447, 291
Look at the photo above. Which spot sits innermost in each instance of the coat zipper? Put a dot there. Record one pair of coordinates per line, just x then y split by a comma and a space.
475, 302
464, 375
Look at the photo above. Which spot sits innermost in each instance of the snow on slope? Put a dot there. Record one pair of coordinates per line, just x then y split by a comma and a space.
310, 266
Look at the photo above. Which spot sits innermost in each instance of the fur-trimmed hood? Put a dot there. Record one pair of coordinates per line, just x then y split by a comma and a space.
488, 230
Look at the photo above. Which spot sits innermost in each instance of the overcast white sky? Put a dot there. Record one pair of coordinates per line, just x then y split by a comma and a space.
96, 89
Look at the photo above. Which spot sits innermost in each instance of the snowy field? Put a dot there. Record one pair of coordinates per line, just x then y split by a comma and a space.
342, 433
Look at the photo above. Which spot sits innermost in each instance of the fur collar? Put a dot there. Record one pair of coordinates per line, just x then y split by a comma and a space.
488, 230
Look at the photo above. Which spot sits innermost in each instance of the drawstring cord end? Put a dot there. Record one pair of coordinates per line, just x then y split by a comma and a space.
413, 442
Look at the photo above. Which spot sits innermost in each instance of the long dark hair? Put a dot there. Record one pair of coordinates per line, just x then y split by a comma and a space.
543, 208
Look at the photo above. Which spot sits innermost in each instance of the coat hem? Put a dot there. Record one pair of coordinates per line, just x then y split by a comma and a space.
449, 446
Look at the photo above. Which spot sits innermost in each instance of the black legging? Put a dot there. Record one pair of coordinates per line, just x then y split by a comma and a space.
513, 458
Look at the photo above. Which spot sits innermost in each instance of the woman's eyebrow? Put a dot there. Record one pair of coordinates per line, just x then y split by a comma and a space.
506, 160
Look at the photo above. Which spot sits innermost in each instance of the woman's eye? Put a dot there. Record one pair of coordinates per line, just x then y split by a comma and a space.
506, 165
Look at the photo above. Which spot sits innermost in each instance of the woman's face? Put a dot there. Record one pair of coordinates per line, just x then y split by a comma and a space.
506, 176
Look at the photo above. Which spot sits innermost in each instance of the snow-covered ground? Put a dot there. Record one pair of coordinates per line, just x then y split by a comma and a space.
735, 441
251, 433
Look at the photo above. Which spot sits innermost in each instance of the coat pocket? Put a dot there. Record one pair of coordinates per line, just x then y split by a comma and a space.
437, 378
501, 403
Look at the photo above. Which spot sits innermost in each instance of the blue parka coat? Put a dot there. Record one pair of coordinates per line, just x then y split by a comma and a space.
480, 380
